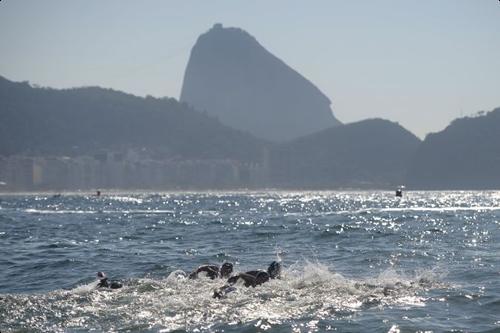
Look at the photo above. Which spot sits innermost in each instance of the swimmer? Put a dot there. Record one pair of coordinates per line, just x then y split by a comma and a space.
213, 271
105, 283
250, 279
258, 277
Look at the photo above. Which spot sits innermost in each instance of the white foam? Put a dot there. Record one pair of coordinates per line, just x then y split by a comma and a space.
126, 199
118, 211
85, 288
306, 289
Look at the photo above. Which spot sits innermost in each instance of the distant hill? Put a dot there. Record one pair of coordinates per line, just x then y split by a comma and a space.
82, 120
232, 77
465, 155
373, 153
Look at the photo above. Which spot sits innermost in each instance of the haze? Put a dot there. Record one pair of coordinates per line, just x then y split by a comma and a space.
420, 63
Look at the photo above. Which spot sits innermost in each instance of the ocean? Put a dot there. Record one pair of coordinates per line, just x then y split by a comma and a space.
352, 262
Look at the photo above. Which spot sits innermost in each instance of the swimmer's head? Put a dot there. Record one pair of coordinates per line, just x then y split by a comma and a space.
101, 275
274, 270
226, 269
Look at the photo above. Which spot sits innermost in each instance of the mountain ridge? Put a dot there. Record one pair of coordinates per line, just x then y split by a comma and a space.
465, 155
233, 77
367, 154
46, 120
372, 153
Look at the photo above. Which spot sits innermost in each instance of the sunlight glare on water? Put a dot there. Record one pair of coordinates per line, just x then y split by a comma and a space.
352, 261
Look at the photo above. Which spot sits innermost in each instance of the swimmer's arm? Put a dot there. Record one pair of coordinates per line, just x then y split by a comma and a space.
223, 291
248, 278
210, 270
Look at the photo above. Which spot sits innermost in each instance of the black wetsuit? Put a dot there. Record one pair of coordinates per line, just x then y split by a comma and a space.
212, 271
105, 283
250, 278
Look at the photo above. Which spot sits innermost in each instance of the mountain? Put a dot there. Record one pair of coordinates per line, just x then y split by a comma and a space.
465, 155
234, 78
371, 153
78, 121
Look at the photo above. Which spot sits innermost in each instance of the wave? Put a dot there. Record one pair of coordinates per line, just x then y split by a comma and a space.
126, 199
412, 209
118, 211
85, 288
176, 303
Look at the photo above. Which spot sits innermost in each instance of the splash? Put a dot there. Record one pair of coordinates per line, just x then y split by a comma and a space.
306, 290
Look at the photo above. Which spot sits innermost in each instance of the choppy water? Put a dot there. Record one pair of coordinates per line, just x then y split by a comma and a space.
353, 262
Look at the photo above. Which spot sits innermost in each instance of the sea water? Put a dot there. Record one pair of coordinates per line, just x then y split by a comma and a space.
352, 262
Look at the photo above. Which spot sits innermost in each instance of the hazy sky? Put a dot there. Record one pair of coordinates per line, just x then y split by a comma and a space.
420, 63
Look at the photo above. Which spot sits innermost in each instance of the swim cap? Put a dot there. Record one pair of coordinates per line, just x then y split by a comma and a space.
226, 269
274, 269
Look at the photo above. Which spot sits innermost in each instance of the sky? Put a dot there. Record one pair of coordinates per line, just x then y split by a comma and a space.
419, 63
